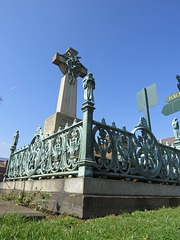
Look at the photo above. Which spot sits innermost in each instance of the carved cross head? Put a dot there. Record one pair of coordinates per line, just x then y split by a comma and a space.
69, 63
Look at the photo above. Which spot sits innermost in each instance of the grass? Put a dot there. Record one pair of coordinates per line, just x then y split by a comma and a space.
159, 224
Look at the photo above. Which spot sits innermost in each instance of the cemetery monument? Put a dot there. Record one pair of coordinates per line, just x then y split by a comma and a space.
71, 67
91, 168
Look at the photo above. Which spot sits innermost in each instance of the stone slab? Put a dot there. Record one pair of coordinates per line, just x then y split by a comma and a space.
94, 197
56, 120
128, 188
99, 206
8, 208
64, 185
95, 186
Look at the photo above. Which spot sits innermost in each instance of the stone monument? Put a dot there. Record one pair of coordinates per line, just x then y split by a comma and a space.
71, 67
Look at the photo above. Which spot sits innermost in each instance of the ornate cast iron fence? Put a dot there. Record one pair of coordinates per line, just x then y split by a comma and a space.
90, 148
55, 155
133, 155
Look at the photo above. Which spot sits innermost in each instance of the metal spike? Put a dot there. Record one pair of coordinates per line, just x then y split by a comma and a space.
113, 124
103, 121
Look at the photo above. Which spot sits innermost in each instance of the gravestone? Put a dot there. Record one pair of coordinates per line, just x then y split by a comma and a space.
71, 67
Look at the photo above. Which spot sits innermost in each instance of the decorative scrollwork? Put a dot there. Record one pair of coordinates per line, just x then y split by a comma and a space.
112, 149
124, 153
102, 141
146, 153
170, 164
57, 153
34, 155
135, 154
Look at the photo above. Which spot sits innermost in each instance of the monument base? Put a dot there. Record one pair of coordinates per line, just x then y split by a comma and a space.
97, 197
57, 120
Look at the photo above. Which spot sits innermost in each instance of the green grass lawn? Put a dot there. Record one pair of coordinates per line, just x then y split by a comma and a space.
159, 224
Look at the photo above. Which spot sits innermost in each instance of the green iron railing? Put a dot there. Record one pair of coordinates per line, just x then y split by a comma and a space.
55, 155
92, 149
133, 155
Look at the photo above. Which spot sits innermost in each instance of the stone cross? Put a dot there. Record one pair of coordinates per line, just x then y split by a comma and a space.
71, 67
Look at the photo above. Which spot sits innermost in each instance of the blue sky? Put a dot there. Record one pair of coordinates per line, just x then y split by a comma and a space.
126, 44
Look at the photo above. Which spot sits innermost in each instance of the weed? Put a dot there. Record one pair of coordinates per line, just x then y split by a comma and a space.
27, 199
8, 196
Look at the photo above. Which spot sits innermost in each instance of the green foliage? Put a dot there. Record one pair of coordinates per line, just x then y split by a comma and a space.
35, 199
9, 196
160, 224
41, 204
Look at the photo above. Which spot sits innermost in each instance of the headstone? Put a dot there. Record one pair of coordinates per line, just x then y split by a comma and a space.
71, 67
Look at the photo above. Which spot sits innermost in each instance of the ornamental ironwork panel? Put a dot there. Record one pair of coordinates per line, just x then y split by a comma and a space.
136, 154
54, 155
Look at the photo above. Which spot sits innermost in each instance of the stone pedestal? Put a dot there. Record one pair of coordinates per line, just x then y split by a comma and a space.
57, 120
95, 197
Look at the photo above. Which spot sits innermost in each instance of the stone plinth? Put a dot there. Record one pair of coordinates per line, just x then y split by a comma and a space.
93, 197
57, 120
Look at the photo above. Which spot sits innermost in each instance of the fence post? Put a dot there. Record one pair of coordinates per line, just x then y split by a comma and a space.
86, 162
12, 150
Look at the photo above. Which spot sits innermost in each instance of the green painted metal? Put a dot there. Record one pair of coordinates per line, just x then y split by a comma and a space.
89, 148
89, 86
175, 126
74, 66
86, 162
171, 108
13, 148
173, 97
138, 154
45, 157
